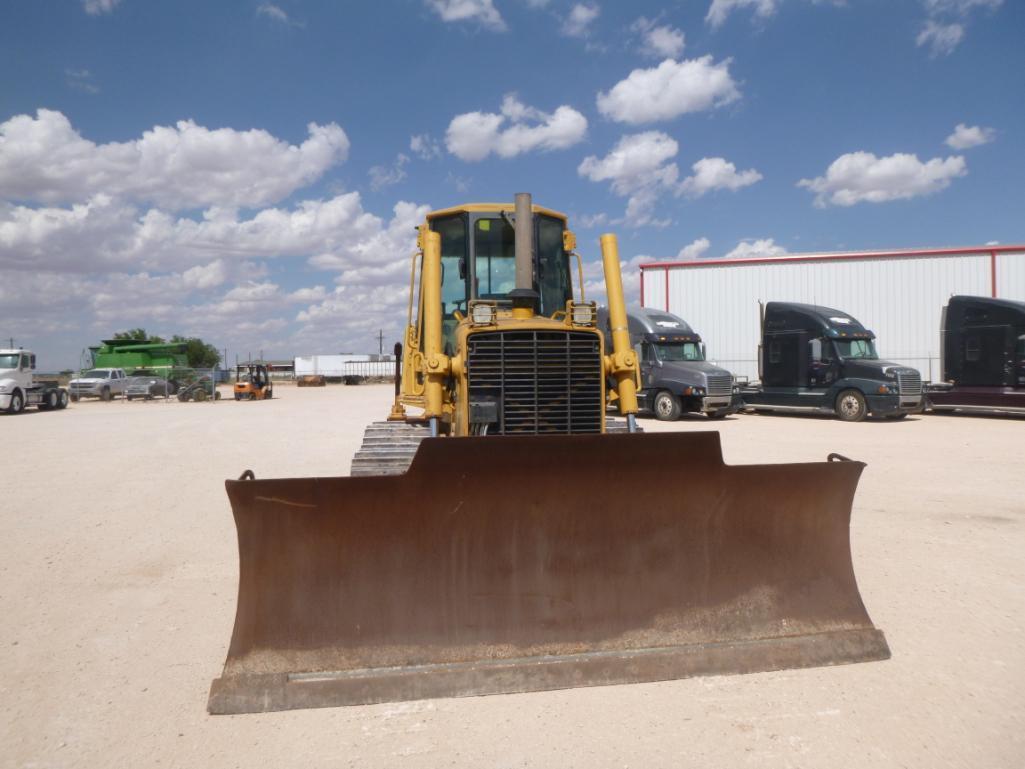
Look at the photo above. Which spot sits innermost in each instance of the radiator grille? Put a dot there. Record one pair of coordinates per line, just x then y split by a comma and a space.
542, 381
909, 382
720, 384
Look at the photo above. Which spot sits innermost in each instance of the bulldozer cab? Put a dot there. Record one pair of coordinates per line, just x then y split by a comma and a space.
478, 260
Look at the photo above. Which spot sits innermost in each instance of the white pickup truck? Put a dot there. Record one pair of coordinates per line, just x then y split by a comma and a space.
102, 383
18, 388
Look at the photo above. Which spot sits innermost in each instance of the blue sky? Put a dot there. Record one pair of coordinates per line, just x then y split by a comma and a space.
251, 172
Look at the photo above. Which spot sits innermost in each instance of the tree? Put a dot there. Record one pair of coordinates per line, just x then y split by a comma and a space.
138, 335
199, 353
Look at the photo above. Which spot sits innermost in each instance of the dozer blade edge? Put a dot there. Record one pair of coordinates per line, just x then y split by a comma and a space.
512, 564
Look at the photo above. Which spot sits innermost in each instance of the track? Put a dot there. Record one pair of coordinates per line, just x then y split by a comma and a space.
388, 447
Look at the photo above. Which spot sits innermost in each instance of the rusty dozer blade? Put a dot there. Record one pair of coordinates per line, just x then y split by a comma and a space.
515, 564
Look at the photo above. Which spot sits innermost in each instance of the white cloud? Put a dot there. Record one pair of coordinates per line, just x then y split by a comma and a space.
862, 177
630, 270
481, 11
944, 27
578, 23
659, 41
276, 13
669, 90
756, 249
942, 39
716, 174
424, 146
475, 135
639, 168
206, 276
965, 137
720, 9
185, 166
97, 7
385, 176
694, 250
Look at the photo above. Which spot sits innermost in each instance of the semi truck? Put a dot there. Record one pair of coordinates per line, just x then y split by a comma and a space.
675, 377
982, 344
816, 359
19, 389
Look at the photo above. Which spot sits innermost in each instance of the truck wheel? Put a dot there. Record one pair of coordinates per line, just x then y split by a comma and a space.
63, 401
850, 406
17, 403
105, 394
666, 406
52, 400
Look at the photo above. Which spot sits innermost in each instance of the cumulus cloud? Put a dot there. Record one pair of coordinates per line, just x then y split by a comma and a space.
424, 146
277, 13
178, 167
756, 249
483, 12
862, 177
716, 174
658, 41
694, 250
630, 269
965, 137
669, 90
98, 7
515, 130
578, 23
720, 9
639, 168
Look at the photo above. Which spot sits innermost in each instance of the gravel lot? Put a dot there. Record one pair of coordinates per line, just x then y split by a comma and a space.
118, 576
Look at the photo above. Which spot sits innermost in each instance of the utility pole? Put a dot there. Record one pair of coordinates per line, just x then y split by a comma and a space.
380, 342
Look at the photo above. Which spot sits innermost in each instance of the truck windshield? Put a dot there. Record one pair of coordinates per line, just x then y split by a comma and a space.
96, 373
9, 361
863, 349
678, 351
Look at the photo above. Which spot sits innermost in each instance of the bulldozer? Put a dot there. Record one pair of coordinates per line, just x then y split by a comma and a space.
501, 533
252, 382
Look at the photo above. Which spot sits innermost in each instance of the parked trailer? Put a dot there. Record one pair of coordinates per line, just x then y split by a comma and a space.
983, 346
817, 359
18, 388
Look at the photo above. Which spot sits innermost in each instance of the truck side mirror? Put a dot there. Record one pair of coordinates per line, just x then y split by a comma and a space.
704, 353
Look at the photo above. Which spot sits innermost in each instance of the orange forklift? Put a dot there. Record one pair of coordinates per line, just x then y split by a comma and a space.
252, 382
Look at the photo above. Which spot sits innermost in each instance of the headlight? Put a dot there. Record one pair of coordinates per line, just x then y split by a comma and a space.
3, 388
583, 314
482, 314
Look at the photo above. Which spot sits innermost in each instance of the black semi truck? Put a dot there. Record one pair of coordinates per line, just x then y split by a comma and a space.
819, 360
675, 377
982, 343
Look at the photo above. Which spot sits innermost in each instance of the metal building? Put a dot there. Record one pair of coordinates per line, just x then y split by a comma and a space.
897, 294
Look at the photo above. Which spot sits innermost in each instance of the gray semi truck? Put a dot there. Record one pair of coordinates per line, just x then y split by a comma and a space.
817, 359
675, 377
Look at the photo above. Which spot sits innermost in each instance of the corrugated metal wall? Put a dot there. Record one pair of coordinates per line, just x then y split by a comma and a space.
900, 298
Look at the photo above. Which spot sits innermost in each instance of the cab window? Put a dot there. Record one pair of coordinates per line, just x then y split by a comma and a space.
452, 230
494, 245
552, 266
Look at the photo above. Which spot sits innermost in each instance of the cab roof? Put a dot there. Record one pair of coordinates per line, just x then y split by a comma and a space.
491, 208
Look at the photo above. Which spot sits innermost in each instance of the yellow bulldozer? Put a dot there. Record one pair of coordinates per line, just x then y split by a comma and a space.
500, 533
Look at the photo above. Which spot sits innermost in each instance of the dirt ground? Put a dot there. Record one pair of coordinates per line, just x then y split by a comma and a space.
117, 591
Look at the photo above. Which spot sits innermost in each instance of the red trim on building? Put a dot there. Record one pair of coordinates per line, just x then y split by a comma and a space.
847, 255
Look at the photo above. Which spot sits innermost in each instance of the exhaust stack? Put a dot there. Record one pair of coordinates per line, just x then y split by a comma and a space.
524, 229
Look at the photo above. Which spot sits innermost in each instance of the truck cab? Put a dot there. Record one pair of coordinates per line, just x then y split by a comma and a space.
818, 359
18, 387
675, 377
983, 356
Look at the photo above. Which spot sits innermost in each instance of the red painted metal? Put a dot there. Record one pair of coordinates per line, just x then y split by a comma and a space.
841, 256
992, 272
